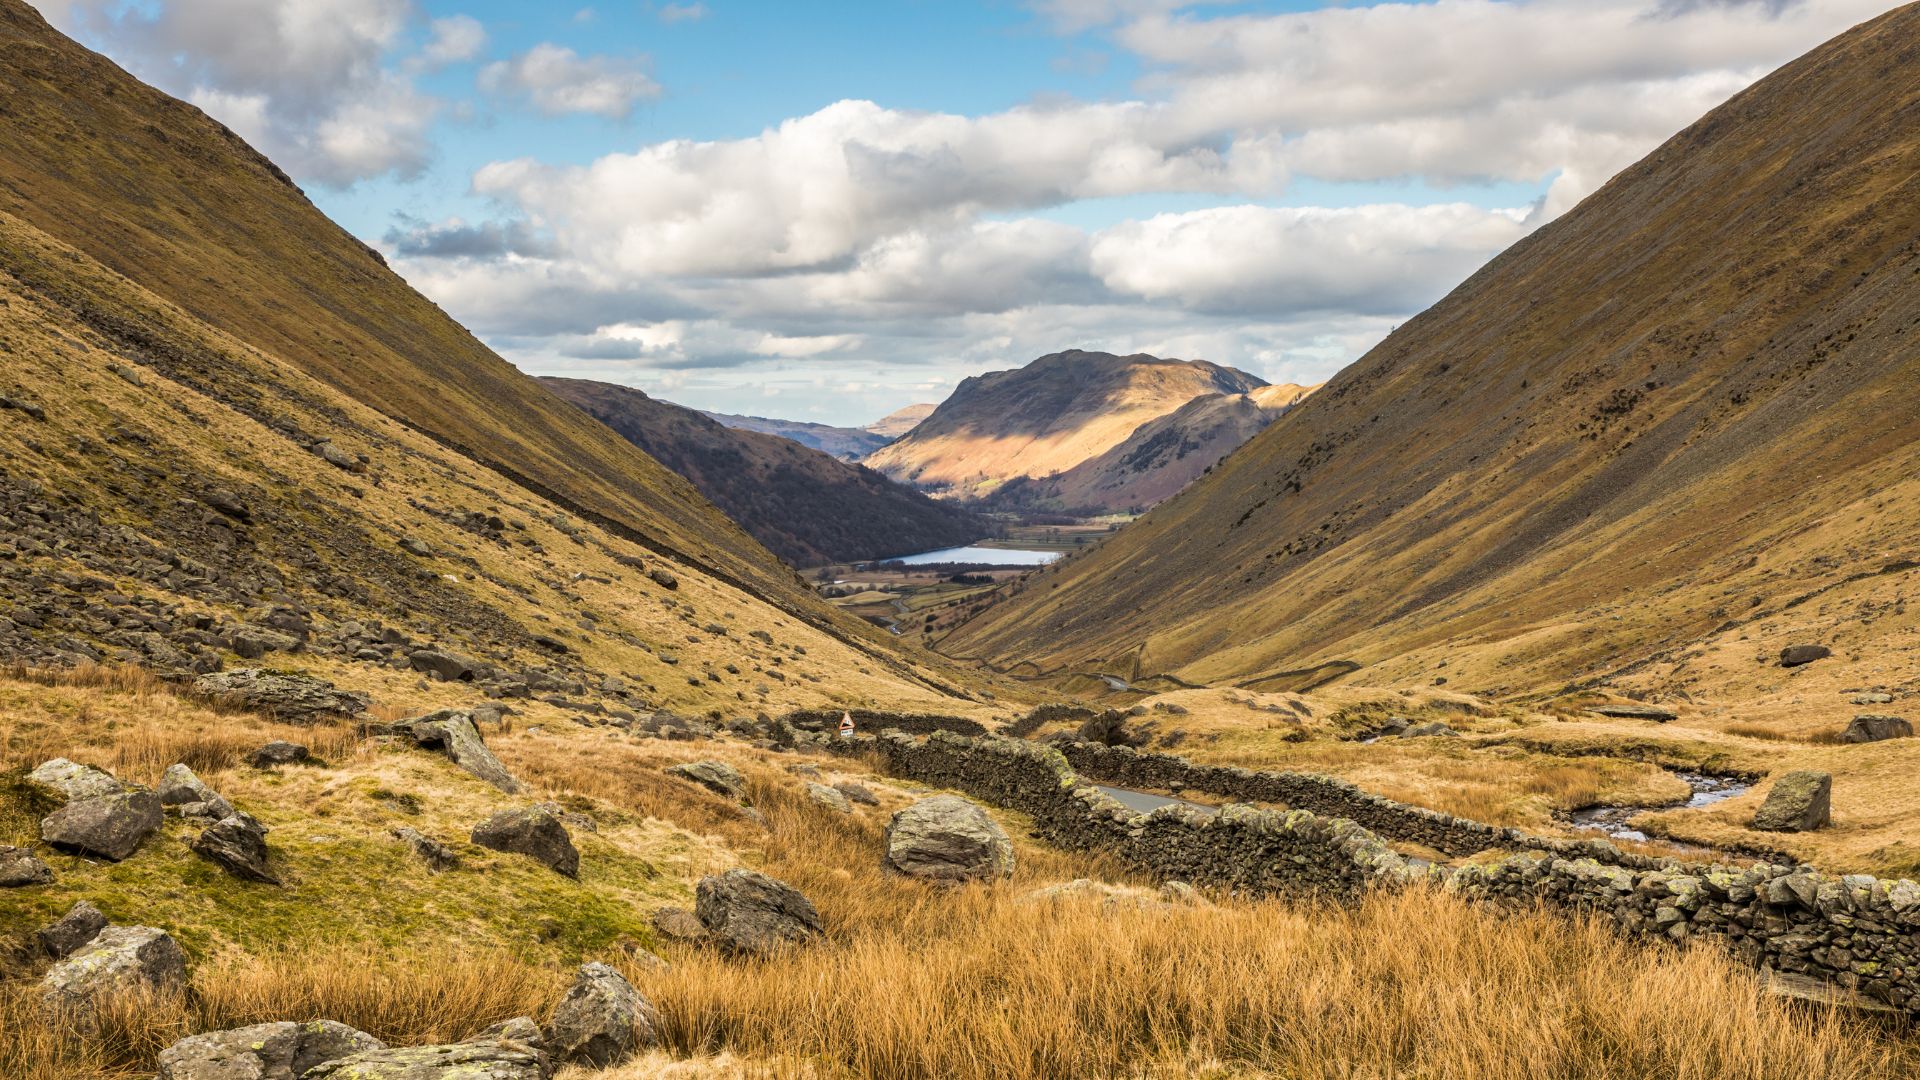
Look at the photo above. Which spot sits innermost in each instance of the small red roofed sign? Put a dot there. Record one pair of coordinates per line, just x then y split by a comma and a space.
846, 725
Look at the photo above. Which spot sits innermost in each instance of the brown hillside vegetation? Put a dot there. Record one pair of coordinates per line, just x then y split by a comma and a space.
1162, 455
151, 188
900, 421
1649, 446
1045, 418
807, 507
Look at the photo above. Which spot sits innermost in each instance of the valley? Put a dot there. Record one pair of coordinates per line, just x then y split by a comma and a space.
1529, 699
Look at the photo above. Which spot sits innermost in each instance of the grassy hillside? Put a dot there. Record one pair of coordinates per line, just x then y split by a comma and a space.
846, 444
1045, 418
1162, 456
151, 188
1645, 449
809, 508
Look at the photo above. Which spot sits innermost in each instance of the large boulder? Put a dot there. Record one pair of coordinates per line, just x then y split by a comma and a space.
80, 925
602, 1021
452, 732
445, 666
831, 798
109, 826
179, 787
74, 781
118, 959
237, 844
279, 752
716, 776
299, 699
19, 867
1799, 802
534, 832
1796, 655
748, 912
490, 1059
947, 839
276, 1051
1872, 727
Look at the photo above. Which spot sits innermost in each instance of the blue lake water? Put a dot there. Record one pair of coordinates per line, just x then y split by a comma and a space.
989, 556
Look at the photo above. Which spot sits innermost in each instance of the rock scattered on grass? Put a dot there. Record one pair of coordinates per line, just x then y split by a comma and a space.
1871, 727
279, 752
111, 827
716, 776
1799, 801
1797, 655
118, 959
533, 832
492, 1059
189, 795
452, 732
678, 924
80, 925
747, 912
276, 1051
289, 696
20, 868
831, 798
948, 839
74, 781
237, 844
602, 1021
438, 856
859, 793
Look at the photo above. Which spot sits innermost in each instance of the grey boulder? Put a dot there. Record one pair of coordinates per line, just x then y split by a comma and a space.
831, 798
716, 776
453, 733
492, 1059
279, 752
276, 1051
75, 781
947, 839
438, 856
533, 832
859, 793
19, 867
300, 699
678, 924
179, 787
602, 1021
1871, 727
119, 958
109, 826
748, 912
1798, 802
237, 844
1796, 655
80, 925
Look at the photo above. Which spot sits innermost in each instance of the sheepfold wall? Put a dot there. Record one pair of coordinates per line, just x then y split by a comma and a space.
1858, 932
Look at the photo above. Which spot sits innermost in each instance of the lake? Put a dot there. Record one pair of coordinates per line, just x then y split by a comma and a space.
981, 555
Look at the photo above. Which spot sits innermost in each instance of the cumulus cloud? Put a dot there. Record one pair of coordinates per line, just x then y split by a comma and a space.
558, 80
675, 13
304, 80
456, 38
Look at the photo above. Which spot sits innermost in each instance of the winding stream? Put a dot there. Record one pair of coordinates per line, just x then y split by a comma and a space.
1613, 820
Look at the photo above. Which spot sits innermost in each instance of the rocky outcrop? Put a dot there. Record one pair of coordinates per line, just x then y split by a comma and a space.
602, 1021
533, 832
747, 912
276, 1051
297, 699
949, 840
108, 826
80, 925
181, 789
716, 776
75, 781
438, 856
492, 1059
237, 844
1799, 801
19, 868
1797, 655
1872, 727
279, 752
119, 958
452, 732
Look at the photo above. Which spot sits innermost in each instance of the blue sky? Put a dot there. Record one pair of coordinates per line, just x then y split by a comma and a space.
827, 211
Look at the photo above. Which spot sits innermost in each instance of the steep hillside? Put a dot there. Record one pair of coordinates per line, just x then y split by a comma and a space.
809, 508
152, 189
847, 444
1652, 444
1045, 418
900, 421
1162, 456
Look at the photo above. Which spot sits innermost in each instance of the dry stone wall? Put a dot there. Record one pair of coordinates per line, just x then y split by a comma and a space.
1858, 932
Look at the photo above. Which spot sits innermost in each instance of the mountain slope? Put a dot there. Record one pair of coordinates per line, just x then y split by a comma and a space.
1629, 447
900, 421
153, 189
847, 444
1162, 455
807, 507
1045, 418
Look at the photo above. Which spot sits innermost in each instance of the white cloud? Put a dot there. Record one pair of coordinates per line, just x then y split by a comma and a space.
558, 80
675, 13
456, 39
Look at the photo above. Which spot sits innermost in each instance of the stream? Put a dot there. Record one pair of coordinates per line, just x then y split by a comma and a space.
1613, 820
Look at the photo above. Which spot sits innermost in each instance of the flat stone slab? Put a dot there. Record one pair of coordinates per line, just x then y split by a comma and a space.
1636, 712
